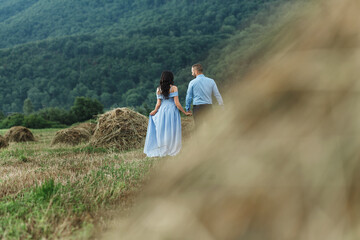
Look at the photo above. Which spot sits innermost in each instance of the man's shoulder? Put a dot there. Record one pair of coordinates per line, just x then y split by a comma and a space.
201, 78
205, 77
209, 79
193, 81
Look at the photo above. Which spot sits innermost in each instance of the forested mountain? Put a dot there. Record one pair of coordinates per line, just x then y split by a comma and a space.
112, 50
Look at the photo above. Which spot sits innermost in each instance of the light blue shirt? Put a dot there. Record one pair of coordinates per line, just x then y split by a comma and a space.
200, 91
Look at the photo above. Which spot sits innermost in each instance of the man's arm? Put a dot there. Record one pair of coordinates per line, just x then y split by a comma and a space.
189, 97
217, 94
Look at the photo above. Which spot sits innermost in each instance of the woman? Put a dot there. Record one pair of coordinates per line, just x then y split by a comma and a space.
164, 130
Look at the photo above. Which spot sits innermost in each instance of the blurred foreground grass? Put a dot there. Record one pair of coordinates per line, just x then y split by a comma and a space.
64, 191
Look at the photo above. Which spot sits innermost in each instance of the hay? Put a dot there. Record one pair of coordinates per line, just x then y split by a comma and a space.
187, 126
88, 126
120, 128
19, 134
282, 160
3, 142
71, 136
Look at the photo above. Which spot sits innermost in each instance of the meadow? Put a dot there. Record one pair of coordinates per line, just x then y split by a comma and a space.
65, 191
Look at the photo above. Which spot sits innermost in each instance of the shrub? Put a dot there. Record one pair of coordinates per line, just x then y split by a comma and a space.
16, 119
36, 121
86, 108
56, 114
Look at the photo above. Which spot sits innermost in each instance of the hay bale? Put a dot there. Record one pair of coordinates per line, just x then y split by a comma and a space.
71, 136
19, 134
88, 126
120, 128
3, 142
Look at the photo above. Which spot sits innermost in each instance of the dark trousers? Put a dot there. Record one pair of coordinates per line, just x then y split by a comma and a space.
199, 111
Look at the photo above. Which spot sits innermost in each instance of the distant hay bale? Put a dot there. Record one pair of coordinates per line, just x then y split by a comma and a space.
3, 142
71, 136
88, 126
120, 128
19, 134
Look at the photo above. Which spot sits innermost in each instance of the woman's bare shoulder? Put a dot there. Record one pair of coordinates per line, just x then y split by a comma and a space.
173, 89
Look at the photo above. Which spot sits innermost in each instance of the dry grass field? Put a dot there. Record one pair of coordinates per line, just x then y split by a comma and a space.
62, 191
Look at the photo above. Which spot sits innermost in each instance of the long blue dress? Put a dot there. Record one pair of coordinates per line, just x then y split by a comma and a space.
163, 135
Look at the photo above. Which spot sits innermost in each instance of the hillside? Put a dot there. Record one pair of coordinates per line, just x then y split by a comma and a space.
53, 51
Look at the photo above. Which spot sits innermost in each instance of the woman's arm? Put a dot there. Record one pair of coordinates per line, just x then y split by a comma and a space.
178, 104
157, 106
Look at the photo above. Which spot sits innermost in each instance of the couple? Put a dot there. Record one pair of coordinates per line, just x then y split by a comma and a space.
164, 130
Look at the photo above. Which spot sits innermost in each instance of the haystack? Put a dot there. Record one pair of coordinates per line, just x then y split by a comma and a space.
88, 126
120, 128
71, 136
19, 134
3, 142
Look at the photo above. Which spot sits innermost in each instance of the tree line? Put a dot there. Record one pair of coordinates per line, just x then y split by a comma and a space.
53, 117
119, 62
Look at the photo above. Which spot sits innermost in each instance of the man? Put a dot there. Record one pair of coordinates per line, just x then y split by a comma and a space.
200, 91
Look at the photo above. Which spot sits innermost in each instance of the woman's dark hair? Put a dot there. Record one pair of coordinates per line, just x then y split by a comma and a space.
166, 79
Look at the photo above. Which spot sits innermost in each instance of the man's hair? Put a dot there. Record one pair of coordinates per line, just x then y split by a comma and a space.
198, 67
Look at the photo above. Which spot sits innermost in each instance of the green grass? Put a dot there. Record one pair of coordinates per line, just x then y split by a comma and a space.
62, 191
